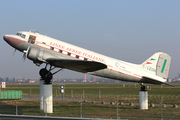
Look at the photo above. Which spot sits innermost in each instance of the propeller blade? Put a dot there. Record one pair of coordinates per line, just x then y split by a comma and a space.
26, 51
14, 52
24, 57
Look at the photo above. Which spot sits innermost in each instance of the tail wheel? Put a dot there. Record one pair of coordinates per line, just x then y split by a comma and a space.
143, 88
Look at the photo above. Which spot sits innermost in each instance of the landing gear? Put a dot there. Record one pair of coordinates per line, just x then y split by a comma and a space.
46, 75
143, 88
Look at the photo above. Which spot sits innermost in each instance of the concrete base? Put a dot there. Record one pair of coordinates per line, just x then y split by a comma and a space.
143, 100
41, 94
48, 99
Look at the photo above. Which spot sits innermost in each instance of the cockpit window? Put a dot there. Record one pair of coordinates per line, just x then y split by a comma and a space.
18, 34
21, 35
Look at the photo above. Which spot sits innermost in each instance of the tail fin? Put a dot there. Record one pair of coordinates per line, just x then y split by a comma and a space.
158, 64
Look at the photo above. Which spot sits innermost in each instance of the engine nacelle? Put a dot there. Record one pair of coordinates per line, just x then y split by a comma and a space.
39, 56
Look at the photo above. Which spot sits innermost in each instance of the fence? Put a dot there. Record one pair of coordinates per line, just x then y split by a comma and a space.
127, 106
171, 101
82, 109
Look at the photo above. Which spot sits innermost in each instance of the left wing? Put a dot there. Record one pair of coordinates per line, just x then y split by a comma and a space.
77, 65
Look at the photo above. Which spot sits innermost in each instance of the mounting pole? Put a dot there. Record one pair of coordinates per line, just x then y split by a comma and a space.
47, 98
143, 99
41, 94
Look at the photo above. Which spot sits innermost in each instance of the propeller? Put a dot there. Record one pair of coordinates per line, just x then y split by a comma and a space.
26, 51
14, 52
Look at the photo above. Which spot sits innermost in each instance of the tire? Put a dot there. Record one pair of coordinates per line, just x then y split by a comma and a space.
42, 72
48, 77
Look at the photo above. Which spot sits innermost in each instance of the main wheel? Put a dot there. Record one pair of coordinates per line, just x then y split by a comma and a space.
42, 72
48, 77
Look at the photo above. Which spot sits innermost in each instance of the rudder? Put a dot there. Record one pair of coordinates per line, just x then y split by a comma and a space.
163, 65
158, 64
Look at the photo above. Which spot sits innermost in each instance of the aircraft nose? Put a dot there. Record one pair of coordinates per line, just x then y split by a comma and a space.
8, 39
12, 40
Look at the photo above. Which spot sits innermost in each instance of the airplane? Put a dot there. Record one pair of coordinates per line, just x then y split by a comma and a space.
58, 54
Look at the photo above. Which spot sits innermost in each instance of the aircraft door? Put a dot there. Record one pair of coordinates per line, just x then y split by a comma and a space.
33, 39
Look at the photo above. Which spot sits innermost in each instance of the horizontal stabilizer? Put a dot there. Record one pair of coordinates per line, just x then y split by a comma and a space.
77, 65
152, 81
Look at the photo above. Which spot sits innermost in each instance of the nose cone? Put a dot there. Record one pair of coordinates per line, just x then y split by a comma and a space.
9, 39
5, 38
12, 40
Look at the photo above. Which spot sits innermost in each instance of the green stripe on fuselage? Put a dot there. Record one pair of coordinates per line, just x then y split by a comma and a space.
164, 64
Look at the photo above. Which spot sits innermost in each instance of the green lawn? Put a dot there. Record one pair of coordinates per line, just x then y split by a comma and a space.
72, 109
93, 89
89, 110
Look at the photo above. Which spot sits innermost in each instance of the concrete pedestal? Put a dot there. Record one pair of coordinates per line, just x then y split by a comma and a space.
41, 94
143, 100
47, 98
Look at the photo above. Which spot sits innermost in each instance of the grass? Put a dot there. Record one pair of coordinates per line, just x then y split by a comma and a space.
89, 110
72, 109
105, 89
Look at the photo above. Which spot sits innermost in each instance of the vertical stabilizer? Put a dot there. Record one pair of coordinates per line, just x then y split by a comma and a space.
158, 64
163, 65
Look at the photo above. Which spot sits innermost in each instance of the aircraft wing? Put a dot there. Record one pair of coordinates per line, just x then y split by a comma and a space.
77, 65
152, 81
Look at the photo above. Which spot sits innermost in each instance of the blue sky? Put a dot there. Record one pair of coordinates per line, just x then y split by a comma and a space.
127, 30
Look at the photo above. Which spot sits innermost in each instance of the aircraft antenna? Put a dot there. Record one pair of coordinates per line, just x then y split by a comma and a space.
33, 30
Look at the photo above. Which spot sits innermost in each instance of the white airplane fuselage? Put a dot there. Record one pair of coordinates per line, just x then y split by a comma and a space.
53, 48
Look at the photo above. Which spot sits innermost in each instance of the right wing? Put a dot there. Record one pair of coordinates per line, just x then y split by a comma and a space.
76, 65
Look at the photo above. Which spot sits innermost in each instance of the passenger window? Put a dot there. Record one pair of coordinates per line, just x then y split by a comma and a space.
85, 59
77, 56
60, 51
69, 53
52, 48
